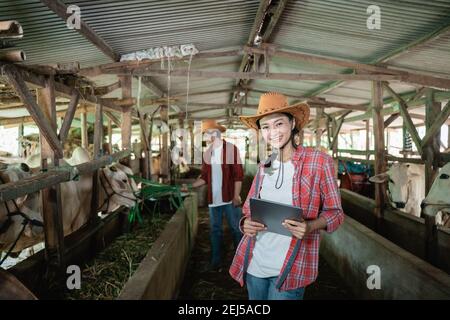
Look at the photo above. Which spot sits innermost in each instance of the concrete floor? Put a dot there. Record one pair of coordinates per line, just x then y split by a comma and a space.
218, 285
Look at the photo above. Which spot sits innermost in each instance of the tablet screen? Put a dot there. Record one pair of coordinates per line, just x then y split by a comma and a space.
272, 214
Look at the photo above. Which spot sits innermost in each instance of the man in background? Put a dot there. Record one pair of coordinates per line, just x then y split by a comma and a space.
223, 173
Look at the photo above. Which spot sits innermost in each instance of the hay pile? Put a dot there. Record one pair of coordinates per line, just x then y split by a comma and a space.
105, 276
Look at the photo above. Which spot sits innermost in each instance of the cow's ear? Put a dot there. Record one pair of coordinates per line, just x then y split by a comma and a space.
21, 200
379, 178
24, 167
28, 231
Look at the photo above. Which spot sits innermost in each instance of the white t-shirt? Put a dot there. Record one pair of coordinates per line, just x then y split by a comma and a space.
216, 177
271, 248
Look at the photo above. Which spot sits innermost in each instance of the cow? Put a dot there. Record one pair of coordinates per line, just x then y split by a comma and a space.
437, 202
406, 184
20, 213
116, 189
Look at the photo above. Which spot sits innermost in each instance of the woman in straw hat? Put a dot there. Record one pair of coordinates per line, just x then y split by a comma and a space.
275, 266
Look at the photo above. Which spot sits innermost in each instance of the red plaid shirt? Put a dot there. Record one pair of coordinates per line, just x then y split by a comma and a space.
315, 190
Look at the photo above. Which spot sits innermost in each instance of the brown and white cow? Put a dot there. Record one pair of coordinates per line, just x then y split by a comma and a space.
116, 189
406, 186
437, 202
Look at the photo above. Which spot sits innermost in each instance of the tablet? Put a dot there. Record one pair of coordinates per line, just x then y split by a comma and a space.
272, 214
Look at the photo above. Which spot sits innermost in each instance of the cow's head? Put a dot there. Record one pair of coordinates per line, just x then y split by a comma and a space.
438, 197
399, 178
116, 187
28, 205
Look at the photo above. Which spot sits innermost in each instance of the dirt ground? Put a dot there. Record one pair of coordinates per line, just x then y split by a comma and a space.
200, 284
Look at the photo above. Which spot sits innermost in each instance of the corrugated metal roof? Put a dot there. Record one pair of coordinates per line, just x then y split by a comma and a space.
129, 26
333, 28
46, 38
337, 29
359, 92
433, 57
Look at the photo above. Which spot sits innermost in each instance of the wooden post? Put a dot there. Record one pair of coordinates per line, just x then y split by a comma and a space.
431, 151
301, 137
319, 131
367, 138
192, 146
84, 129
164, 113
20, 135
126, 83
404, 135
448, 136
431, 155
98, 144
380, 160
352, 142
110, 145
51, 197
146, 160
98, 132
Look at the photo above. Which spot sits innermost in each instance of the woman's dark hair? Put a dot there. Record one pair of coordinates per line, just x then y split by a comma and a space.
294, 131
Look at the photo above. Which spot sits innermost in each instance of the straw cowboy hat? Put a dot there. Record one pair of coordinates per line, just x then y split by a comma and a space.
273, 102
212, 124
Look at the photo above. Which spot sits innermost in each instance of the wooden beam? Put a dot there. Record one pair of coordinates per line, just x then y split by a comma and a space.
60, 9
368, 139
265, 21
126, 83
132, 66
98, 152
101, 91
431, 148
14, 190
165, 167
404, 160
113, 118
421, 79
258, 75
394, 116
152, 86
439, 96
61, 89
84, 130
337, 129
441, 30
438, 122
110, 150
448, 136
51, 205
380, 164
29, 119
69, 116
124, 102
356, 160
256, 27
98, 132
45, 128
357, 152
406, 118
181, 95
316, 102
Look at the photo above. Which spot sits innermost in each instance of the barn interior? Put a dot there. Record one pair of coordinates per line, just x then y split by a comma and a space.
132, 81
